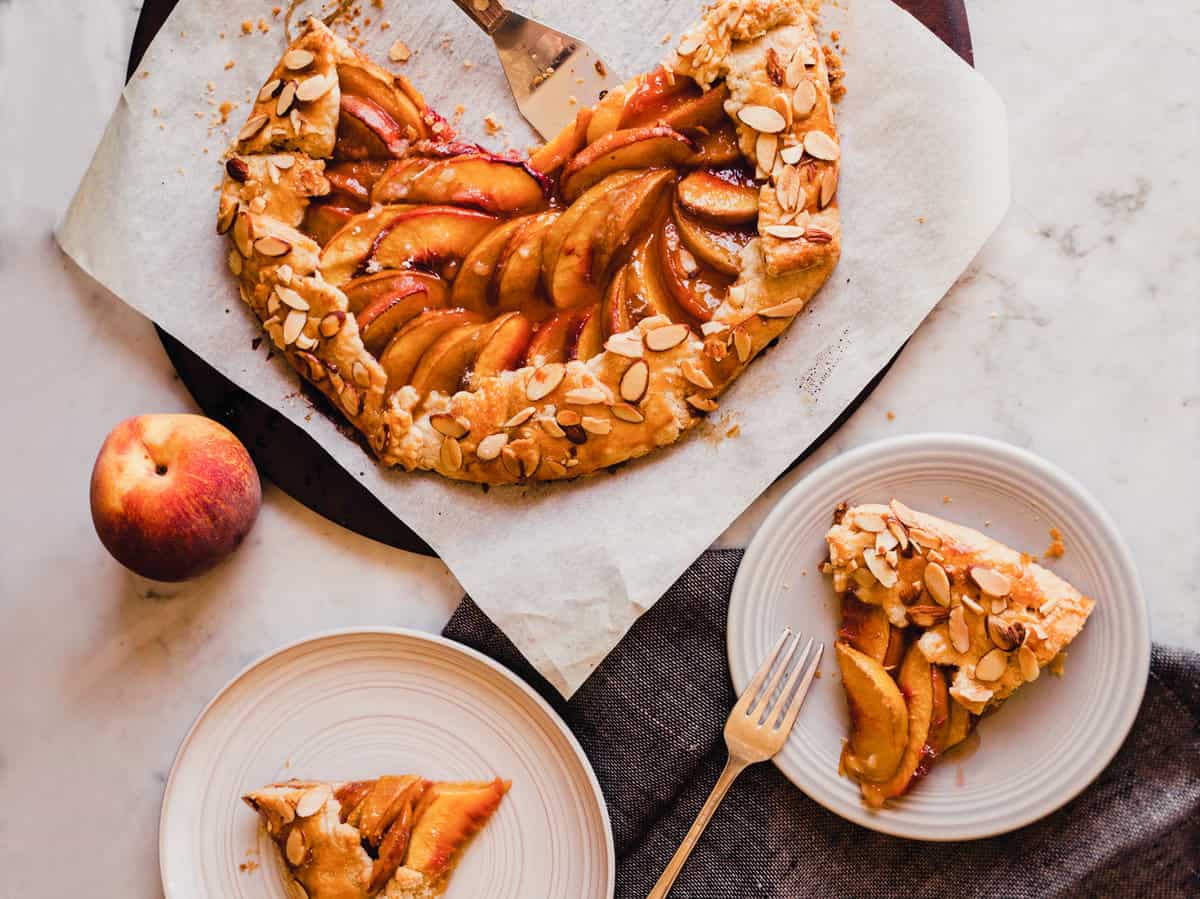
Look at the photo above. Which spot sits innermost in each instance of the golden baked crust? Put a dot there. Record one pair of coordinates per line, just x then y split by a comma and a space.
396, 837
651, 382
956, 619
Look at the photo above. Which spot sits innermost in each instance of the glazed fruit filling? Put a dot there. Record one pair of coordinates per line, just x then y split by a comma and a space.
459, 264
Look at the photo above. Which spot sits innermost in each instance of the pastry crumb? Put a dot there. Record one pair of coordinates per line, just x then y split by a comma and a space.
1056, 549
247, 26
665, 39
891, 416
229, 65
399, 52
920, 219
468, 64
263, 26
734, 430
946, 500
491, 124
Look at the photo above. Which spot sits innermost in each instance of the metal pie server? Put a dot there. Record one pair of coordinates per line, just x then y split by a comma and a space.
546, 69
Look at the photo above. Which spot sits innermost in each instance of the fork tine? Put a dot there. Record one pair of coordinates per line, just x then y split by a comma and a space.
779, 702
743, 704
764, 698
797, 700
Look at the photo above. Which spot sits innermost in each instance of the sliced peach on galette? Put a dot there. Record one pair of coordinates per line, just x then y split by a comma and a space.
427, 279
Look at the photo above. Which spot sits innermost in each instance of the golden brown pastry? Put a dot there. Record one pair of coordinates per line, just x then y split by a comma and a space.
392, 837
940, 624
502, 320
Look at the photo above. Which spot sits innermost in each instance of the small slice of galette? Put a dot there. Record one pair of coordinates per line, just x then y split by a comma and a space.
940, 624
395, 837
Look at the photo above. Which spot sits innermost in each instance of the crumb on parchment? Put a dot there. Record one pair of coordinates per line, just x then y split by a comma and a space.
491, 125
247, 26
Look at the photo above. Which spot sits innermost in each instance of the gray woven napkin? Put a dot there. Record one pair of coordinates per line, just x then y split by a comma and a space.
650, 720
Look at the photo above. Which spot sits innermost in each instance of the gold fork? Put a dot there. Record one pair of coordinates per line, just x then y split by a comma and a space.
756, 730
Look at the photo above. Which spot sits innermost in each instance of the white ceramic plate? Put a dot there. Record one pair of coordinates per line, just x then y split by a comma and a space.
360, 703
1052, 738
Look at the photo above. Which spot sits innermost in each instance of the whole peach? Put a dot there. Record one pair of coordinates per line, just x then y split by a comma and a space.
172, 494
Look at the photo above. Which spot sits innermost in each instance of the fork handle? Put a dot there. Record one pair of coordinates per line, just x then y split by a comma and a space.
487, 14
733, 767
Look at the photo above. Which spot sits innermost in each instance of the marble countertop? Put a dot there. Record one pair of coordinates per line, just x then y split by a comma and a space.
1073, 334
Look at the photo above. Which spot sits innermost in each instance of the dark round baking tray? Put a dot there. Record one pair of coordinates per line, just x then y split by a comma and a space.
295, 462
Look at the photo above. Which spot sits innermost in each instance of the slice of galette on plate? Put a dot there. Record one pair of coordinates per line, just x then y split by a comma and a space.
395, 837
940, 624
502, 319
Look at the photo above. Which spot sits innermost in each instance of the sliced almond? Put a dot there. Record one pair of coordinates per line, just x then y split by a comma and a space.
489, 447
272, 246
1030, 669
689, 43
567, 417
886, 542
298, 59
544, 381
283, 162
869, 521
287, 96
990, 581
451, 454
924, 538
792, 155
820, 145
992, 666
787, 188
742, 344
662, 339
313, 801
904, 513
960, 636
554, 468
290, 298
829, 181
795, 68
331, 324
785, 232
585, 396
783, 310
972, 604
446, 424
351, 400
284, 273
762, 118
296, 121
999, 634
702, 403
878, 566
296, 850
235, 263
937, 582
626, 345
252, 127
628, 413
551, 427
901, 534
305, 342
594, 425
765, 146
243, 234
804, 98
694, 372
710, 328
316, 87
1047, 607
269, 90
293, 325
520, 418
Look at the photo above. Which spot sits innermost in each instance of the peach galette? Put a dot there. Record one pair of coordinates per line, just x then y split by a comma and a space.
499, 319
940, 624
393, 837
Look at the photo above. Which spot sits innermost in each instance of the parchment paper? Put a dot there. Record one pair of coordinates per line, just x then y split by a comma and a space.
565, 569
